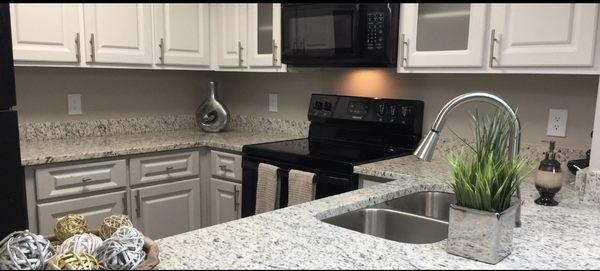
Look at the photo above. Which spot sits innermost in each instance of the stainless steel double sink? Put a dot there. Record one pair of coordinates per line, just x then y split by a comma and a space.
417, 218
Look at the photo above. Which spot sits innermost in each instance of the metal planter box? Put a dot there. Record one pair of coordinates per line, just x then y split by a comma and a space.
480, 235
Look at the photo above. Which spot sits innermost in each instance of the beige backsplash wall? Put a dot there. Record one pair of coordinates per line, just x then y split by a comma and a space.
247, 93
117, 93
107, 93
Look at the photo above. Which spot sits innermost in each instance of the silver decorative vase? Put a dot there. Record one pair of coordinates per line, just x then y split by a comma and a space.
212, 115
480, 235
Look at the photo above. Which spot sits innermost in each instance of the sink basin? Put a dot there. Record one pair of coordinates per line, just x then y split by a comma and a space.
417, 218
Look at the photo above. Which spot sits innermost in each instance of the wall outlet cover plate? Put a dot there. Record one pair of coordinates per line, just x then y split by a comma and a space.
273, 102
74, 104
557, 122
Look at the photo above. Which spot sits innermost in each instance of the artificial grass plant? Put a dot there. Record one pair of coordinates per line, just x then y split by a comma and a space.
484, 177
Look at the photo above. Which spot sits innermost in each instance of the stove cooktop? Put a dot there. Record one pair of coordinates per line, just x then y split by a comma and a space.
335, 155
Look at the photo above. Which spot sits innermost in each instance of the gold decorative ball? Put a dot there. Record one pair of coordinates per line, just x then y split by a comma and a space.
56, 244
112, 223
73, 261
69, 225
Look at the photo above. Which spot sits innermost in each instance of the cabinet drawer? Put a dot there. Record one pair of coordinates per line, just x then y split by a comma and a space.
226, 165
81, 178
94, 208
162, 167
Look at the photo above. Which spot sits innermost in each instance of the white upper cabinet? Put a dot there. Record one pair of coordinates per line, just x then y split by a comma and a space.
442, 35
45, 32
231, 33
264, 35
118, 33
182, 34
543, 34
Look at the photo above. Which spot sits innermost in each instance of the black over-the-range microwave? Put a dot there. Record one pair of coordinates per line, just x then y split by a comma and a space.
340, 34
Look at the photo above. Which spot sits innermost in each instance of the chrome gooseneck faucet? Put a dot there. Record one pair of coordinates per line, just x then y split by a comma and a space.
427, 146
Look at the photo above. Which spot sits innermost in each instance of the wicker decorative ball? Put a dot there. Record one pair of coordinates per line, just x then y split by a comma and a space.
24, 250
112, 223
80, 243
123, 250
73, 261
69, 225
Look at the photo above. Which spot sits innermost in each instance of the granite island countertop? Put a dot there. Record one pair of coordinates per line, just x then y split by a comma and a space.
559, 237
63, 150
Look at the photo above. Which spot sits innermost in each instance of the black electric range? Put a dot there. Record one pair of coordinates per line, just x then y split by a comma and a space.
344, 132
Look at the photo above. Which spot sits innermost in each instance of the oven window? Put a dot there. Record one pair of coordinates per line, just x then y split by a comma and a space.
320, 31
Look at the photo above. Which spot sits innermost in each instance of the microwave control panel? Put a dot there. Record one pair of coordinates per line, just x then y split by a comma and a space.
375, 30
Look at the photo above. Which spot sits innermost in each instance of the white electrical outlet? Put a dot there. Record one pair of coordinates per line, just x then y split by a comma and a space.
74, 102
557, 122
272, 102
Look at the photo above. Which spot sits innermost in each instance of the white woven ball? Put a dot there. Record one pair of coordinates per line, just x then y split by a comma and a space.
23, 250
123, 250
80, 243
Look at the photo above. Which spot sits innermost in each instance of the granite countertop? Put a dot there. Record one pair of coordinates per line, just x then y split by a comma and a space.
63, 150
559, 237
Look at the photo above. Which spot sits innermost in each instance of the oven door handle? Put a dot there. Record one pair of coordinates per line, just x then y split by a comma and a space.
336, 180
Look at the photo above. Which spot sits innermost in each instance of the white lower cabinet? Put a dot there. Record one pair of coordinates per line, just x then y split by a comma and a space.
167, 209
94, 208
225, 201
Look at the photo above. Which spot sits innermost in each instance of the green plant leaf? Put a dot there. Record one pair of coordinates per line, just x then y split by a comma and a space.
486, 178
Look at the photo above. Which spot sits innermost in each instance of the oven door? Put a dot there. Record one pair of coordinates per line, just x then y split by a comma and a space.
320, 31
327, 183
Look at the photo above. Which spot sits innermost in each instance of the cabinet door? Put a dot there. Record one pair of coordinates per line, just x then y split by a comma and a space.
231, 34
118, 33
225, 199
544, 34
167, 209
94, 208
182, 34
45, 32
264, 35
442, 35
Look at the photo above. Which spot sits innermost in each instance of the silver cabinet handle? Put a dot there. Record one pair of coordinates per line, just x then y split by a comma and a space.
240, 49
493, 41
274, 53
138, 203
92, 49
235, 198
161, 45
168, 168
125, 203
77, 48
404, 53
86, 179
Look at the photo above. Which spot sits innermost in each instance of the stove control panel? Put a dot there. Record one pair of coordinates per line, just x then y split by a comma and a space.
392, 111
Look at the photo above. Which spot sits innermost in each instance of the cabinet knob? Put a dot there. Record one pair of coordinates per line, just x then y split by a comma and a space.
223, 167
168, 168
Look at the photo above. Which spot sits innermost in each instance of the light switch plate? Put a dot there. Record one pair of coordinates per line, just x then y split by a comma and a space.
557, 122
74, 102
273, 102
